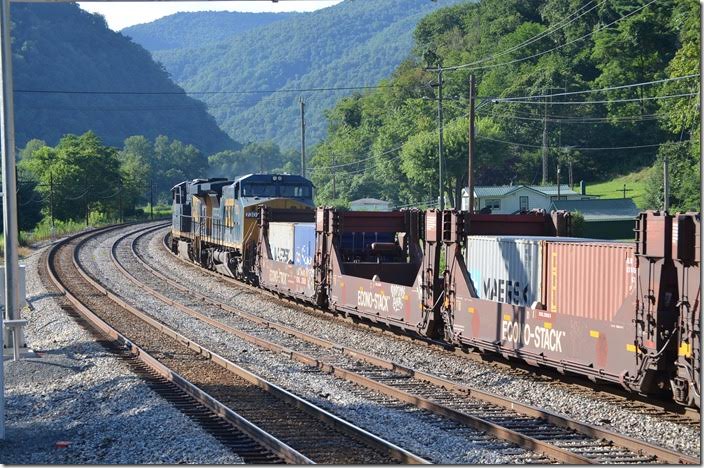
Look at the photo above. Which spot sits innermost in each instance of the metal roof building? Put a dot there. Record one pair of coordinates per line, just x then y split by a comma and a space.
603, 219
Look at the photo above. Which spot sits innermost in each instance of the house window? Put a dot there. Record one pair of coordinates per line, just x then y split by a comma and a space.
523, 203
493, 203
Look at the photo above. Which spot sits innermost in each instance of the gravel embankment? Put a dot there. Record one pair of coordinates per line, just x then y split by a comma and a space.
676, 436
77, 391
429, 436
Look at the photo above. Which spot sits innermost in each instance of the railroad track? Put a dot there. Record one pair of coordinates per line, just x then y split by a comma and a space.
263, 421
661, 409
535, 429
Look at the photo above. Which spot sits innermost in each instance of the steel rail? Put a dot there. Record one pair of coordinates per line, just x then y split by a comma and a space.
669, 410
265, 439
661, 453
340, 424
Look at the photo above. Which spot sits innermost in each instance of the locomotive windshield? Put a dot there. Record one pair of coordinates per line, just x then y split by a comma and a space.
294, 191
258, 190
274, 190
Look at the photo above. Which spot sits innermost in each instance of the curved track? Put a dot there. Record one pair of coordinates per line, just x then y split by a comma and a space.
268, 421
661, 409
555, 436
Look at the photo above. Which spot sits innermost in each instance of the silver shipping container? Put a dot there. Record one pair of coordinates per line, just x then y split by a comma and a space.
506, 268
281, 241
510, 268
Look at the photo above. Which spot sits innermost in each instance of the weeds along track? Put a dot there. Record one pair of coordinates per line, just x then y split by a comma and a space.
557, 437
272, 425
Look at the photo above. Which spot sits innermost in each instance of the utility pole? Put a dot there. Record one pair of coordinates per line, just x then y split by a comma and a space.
470, 144
151, 198
569, 171
545, 143
333, 176
558, 180
303, 137
666, 184
9, 201
121, 217
701, 114
440, 142
51, 201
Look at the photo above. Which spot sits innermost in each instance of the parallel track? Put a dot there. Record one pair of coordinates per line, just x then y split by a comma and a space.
555, 436
662, 409
282, 426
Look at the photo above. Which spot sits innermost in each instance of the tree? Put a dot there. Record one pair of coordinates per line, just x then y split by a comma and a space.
136, 167
80, 168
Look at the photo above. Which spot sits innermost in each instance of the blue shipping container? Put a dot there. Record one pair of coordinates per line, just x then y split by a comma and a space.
304, 244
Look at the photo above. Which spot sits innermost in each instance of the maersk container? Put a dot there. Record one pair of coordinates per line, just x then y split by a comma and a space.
281, 237
506, 268
589, 280
304, 244
509, 269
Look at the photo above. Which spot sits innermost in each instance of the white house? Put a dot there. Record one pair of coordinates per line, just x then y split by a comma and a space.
507, 199
370, 204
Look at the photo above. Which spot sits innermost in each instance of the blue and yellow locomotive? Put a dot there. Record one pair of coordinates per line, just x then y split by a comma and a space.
214, 221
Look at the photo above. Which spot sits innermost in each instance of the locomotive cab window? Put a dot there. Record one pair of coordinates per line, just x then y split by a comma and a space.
258, 190
295, 191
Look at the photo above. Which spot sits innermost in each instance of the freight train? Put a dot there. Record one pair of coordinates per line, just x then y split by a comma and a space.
514, 285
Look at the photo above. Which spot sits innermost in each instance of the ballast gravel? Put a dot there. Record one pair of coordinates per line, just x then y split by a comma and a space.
77, 403
424, 434
522, 387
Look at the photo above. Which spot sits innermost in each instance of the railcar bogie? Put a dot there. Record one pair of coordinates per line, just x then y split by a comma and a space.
623, 313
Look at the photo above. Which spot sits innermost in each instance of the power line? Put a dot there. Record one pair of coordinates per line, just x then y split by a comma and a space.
547, 32
187, 93
605, 148
357, 162
470, 67
586, 120
605, 101
569, 93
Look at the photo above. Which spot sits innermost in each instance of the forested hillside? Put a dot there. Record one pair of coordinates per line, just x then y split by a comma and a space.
383, 143
61, 51
354, 43
188, 30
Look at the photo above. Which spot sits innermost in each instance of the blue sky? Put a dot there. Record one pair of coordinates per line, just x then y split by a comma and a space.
122, 14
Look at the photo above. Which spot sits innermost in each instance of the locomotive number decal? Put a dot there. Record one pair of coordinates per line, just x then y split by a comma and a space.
539, 337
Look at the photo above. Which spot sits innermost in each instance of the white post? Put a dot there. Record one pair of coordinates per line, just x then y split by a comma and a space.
9, 200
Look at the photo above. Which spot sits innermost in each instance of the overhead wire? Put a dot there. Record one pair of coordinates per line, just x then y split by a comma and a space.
610, 88
605, 148
606, 101
521, 59
537, 37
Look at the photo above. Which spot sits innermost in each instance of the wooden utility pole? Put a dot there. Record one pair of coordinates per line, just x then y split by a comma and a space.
51, 201
471, 144
666, 184
545, 144
303, 137
441, 193
333, 176
121, 217
151, 198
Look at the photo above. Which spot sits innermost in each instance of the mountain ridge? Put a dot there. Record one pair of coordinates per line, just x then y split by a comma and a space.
73, 74
349, 44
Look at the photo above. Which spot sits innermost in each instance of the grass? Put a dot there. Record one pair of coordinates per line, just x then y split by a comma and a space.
635, 186
43, 230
